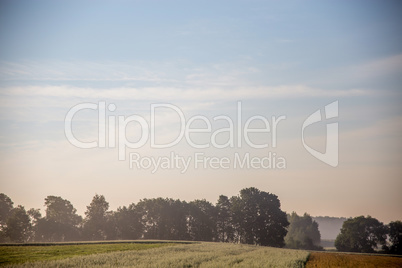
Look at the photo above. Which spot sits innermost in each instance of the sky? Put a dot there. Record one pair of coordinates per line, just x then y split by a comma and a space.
203, 63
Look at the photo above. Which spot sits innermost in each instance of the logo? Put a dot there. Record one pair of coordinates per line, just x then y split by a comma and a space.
330, 156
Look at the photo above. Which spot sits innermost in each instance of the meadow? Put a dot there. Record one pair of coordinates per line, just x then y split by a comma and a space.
179, 254
16, 254
202, 254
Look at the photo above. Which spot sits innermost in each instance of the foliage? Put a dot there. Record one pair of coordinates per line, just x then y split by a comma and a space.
258, 219
18, 225
163, 218
6, 205
96, 221
224, 219
361, 234
253, 217
201, 220
303, 233
395, 237
128, 223
61, 222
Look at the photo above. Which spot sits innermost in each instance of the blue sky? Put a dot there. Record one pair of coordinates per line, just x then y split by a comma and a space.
277, 57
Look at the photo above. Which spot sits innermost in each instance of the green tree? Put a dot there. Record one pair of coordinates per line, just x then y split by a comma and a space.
18, 225
395, 237
258, 219
201, 220
302, 233
224, 226
96, 221
163, 218
61, 222
361, 234
34, 217
6, 205
128, 222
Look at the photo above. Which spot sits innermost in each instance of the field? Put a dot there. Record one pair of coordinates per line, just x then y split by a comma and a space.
322, 259
40, 252
179, 254
156, 255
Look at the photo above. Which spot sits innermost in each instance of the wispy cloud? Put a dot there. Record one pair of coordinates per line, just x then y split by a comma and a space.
380, 67
179, 94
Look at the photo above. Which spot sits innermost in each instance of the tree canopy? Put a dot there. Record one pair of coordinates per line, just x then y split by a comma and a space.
302, 233
251, 217
395, 237
258, 219
96, 220
361, 234
18, 225
61, 222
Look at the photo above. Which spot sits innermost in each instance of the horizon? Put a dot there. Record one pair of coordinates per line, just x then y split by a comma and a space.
310, 91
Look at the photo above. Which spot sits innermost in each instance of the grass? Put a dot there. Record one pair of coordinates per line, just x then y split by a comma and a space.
322, 259
14, 254
180, 255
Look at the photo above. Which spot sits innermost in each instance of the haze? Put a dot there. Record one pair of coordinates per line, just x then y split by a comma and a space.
275, 58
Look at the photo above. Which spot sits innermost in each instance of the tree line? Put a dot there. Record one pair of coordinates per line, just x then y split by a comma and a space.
252, 217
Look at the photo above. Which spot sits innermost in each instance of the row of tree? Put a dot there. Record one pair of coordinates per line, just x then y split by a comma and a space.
252, 217
368, 235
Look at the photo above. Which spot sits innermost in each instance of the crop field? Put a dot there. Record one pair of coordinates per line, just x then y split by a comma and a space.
155, 255
179, 254
322, 259
39, 252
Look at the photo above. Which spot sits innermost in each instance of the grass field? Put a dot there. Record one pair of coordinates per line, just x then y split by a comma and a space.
179, 254
161, 255
322, 259
41, 252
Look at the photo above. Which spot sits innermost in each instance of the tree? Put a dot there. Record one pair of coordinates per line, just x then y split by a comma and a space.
18, 225
201, 220
258, 219
128, 222
61, 210
6, 205
361, 234
34, 217
395, 237
224, 226
303, 233
96, 221
163, 218
61, 222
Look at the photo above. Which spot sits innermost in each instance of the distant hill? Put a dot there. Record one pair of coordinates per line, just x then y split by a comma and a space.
329, 227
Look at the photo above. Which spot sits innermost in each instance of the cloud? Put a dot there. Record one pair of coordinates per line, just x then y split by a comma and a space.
380, 67
78, 71
179, 94
380, 73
